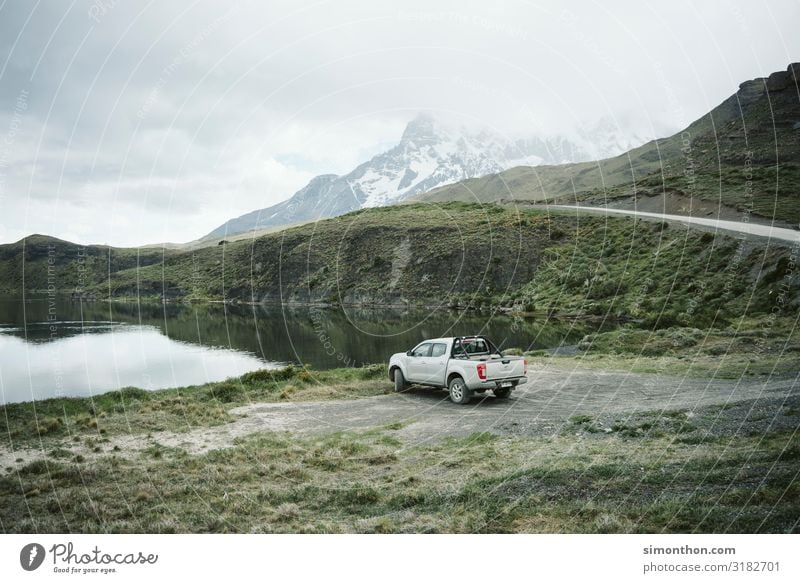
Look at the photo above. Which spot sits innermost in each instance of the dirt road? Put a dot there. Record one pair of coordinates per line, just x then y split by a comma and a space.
543, 406
750, 229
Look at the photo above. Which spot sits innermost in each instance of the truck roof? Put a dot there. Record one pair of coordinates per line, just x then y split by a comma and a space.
450, 338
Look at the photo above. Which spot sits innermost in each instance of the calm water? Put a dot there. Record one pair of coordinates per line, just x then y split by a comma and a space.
63, 348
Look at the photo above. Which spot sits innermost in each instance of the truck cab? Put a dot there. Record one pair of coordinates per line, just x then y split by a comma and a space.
464, 365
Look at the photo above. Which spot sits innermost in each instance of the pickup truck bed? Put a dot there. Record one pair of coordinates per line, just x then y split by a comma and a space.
463, 365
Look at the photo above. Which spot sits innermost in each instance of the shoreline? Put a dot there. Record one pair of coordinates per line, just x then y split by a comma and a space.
503, 310
382, 462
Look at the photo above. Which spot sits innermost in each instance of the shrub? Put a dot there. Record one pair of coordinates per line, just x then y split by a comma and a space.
356, 495
373, 371
269, 375
227, 392
86, 422
133, 394
682, 337
36, 467
304, 376
605, 288
46, 425
287, 511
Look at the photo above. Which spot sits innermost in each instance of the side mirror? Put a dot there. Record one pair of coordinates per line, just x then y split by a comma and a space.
409, 353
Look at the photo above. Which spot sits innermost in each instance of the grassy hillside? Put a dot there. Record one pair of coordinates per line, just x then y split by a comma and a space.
392, 255
744, 154
473, 256
41, 262
458, 255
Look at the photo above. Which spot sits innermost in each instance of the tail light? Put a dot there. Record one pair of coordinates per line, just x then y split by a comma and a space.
526, 365
482, 371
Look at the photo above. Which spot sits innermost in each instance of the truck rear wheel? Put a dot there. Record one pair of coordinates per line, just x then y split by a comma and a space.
399, 381
459, 393
502, 393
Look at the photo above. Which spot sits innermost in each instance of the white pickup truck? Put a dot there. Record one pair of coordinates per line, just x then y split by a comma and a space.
463, 365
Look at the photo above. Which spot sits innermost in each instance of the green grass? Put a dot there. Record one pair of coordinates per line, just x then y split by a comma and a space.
755, 347
133, 411
67, 266
663, 471
368, 482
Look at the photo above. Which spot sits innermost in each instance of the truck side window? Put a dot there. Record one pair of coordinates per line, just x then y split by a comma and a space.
422, 350
476, 347
458, 350
438, 349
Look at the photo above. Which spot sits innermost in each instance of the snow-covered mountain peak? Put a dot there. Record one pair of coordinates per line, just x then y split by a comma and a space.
421, 130
432, 152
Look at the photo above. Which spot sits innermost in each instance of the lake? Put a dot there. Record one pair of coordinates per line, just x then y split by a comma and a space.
60, 347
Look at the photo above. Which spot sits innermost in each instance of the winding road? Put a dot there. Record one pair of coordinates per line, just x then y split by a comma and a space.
751, 229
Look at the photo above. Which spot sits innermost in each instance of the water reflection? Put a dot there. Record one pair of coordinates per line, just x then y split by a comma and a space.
89, 364
321, 338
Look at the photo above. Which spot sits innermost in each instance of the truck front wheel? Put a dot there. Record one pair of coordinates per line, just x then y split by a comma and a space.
459, 393
399, 381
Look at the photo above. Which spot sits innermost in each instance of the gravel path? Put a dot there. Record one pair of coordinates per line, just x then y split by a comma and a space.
751, 229
551, 396
543, 406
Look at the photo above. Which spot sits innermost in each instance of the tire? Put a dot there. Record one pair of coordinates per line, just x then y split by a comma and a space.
502, 393
459, 393
400, 384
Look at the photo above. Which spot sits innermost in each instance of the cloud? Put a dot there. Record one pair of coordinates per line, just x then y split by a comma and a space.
173, 117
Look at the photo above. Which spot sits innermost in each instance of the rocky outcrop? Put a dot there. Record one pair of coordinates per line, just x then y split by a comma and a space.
782, 80
778, 81
751, 90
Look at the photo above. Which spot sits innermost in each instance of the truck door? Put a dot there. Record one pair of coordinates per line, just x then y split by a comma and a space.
418, 362
435, 366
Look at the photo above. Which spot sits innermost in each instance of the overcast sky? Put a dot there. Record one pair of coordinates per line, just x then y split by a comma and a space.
131, 123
